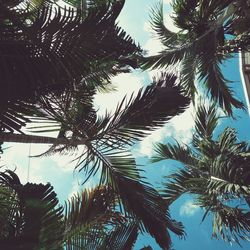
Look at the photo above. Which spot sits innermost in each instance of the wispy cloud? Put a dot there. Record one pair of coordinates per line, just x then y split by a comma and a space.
180, 128
78, 186
126, 84
168, 1
188, 209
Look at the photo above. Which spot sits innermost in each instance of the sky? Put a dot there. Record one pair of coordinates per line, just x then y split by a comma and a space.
60, 172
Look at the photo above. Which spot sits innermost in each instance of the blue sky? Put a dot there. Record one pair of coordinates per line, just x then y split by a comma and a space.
56, 170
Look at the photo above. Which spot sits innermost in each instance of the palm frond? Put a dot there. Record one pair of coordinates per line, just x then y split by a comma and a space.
122, 237
206, 120
89, 217
164, 58
149, 110
144, 202
13, 116
176, 152
136, 198
89, 206
181, 182
59, 42
167, 37
216, 84
36, 216
199, 22
188, 75
231, 224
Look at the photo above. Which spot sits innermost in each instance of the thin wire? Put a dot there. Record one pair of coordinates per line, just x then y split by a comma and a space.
28, 174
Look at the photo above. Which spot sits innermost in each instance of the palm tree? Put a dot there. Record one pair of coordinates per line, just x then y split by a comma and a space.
48, 49
199, 22
107, 140
215, 171
31, 218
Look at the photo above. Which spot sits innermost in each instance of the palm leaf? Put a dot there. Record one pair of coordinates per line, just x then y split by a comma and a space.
167, 37
149, 208
119, 171
122, 237
232, 224
199, 22
206, 120
215, 82
89, 218
35, 217
60, 43
174, 152
149, 110
179, 183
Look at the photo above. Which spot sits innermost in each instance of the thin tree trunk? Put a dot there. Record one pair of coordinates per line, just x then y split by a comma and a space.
21, 138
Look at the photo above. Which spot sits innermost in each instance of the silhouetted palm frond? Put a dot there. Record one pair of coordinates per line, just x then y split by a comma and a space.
198, 22
63, 42
34, 213
147, 111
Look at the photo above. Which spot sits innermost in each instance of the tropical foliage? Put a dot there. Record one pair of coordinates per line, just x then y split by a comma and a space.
106, 140
199, 22
215, 171
31, 218
72, 45
54, 61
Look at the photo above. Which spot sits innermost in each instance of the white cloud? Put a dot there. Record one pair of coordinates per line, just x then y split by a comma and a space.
168, 1
147, 27
169, 23
153, 46
180, 128
188, 209
77, 186
17, 157
146, 146
126, 84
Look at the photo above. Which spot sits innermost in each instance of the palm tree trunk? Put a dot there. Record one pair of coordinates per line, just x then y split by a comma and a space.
21, 138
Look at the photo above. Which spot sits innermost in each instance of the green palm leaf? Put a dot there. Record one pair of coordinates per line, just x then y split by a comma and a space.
199, 22
34, 214
64, 44
149, 110
216, 171
176, 152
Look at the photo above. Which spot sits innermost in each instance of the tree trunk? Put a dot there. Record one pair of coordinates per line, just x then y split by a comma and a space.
21, 138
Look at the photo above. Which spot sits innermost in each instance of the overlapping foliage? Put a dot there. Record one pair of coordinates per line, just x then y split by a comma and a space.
31, 218
107, 140
216, 171
208, 32
80, 48
71, 45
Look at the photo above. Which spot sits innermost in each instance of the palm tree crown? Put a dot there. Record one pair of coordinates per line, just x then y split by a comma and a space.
31, 218
216, 171
46, 48
206, 37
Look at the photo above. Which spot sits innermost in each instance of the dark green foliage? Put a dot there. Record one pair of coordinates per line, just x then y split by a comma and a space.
33, 213
106, 143
32, 219
198, 23
50, 49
